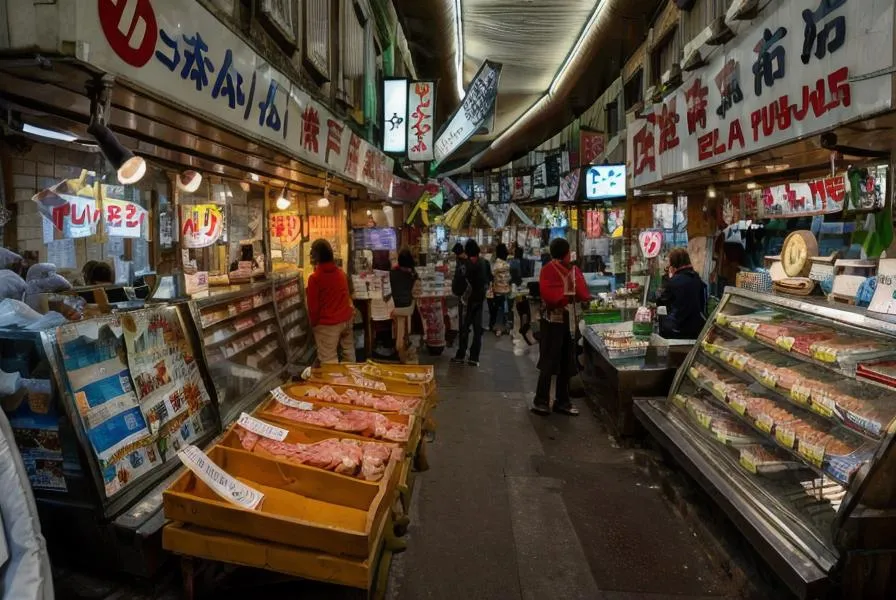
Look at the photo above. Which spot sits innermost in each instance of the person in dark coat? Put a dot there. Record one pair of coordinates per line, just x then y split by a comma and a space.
561, 283
474, 280
684, 297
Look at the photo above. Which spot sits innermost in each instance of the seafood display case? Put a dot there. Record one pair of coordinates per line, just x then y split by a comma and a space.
784, 412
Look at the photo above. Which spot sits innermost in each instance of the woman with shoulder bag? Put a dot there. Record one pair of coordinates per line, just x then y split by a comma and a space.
561, 285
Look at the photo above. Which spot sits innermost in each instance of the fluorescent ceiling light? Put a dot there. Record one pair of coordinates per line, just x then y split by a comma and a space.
48, 133
586, 31
459, 52
558, 78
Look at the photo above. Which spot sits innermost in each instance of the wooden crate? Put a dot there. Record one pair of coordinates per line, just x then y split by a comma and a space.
391, 378
303, 507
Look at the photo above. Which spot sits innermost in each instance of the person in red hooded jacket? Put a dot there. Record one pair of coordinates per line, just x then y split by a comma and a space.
560, 284
330, 308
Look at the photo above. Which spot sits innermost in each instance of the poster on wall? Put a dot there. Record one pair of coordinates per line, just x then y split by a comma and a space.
591, 145
201, 225
166, 378
123, 218
781, 80
96, 373
35, 427
287, 228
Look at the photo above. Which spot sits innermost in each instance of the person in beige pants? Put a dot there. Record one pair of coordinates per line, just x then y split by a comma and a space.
330, 308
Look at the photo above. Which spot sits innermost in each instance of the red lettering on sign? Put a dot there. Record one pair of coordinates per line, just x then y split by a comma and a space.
735, 134
668, 126
124, 36
813, 102
645, 157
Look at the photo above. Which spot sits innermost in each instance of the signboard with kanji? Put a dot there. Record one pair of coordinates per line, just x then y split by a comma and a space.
801, 68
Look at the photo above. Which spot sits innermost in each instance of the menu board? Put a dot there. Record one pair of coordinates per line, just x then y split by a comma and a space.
136, 388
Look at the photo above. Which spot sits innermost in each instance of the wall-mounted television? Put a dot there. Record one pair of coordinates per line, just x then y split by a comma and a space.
603, 182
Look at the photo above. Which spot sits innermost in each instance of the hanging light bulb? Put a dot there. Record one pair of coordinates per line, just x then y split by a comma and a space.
324, 201
245, 185
283, 202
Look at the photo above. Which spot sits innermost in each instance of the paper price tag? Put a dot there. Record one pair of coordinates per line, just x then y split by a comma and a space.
765, 423
284, 399
768, 379
748, 461
786, 437
704, 419
800, 394
750, 329
266, 430
785, 342
230, 489
814, 453
739, 361
737, 403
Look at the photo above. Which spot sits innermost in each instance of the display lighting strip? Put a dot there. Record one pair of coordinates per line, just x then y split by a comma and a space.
459, 51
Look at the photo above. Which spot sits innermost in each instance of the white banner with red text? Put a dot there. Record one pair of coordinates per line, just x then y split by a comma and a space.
803, 67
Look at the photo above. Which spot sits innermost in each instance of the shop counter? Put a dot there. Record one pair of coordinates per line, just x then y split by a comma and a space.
622, 379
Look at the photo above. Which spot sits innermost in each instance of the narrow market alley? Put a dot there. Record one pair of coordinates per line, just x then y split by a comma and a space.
521, 506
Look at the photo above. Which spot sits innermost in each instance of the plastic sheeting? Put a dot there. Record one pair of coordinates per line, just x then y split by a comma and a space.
24, 563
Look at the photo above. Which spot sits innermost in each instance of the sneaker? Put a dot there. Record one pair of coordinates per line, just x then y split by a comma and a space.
458, 360
473, 363
541, 409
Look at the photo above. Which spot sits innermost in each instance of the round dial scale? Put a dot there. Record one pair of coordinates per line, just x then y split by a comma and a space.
798, 248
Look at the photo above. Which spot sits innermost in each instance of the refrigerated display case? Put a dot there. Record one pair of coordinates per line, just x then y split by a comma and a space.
243, 345
98, 409
289, 298
784, 412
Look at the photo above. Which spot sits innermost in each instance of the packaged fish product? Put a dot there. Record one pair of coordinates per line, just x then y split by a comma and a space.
731, 432
765, 460
860, 407
704, 414
850, 349
765, 366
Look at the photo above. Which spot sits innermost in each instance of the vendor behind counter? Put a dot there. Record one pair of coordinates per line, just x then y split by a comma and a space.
684, 297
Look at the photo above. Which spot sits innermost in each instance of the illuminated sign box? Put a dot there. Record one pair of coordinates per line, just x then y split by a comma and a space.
604, 182
395, 116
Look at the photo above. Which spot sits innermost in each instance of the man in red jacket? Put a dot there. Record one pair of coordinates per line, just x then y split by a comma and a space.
330, 307
560, 284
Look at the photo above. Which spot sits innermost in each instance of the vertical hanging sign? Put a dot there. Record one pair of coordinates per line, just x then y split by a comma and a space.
474, 111
395, 116
421, 116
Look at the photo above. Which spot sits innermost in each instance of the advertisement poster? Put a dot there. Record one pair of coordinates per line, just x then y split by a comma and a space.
123, 218
287, 228
35, 427
201, 225
93, 353
167, 383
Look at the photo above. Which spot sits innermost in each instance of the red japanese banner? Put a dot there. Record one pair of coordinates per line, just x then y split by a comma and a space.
800, 199
421, 109
591, 145
201, 225
287, 228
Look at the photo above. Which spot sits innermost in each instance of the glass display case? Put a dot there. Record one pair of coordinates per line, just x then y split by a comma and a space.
243, 345
784, 411
289, 298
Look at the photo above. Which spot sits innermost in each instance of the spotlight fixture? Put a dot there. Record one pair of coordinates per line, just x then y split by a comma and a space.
752, 185
711, 192
189, 181
131, 168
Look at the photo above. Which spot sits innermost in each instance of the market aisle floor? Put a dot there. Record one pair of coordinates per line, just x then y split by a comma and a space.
520, 506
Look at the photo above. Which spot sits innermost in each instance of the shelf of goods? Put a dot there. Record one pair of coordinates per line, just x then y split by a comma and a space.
333, 463
244, 340
785, 412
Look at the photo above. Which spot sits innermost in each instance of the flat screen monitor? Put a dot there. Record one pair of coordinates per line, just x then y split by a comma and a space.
603, 182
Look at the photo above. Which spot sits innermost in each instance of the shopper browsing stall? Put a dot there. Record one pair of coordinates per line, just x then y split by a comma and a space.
474, 283
500, 291
330, 307
684, 297
523, 310
405, 284
561, 284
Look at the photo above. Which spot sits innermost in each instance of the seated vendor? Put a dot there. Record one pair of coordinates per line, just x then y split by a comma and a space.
684, 297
